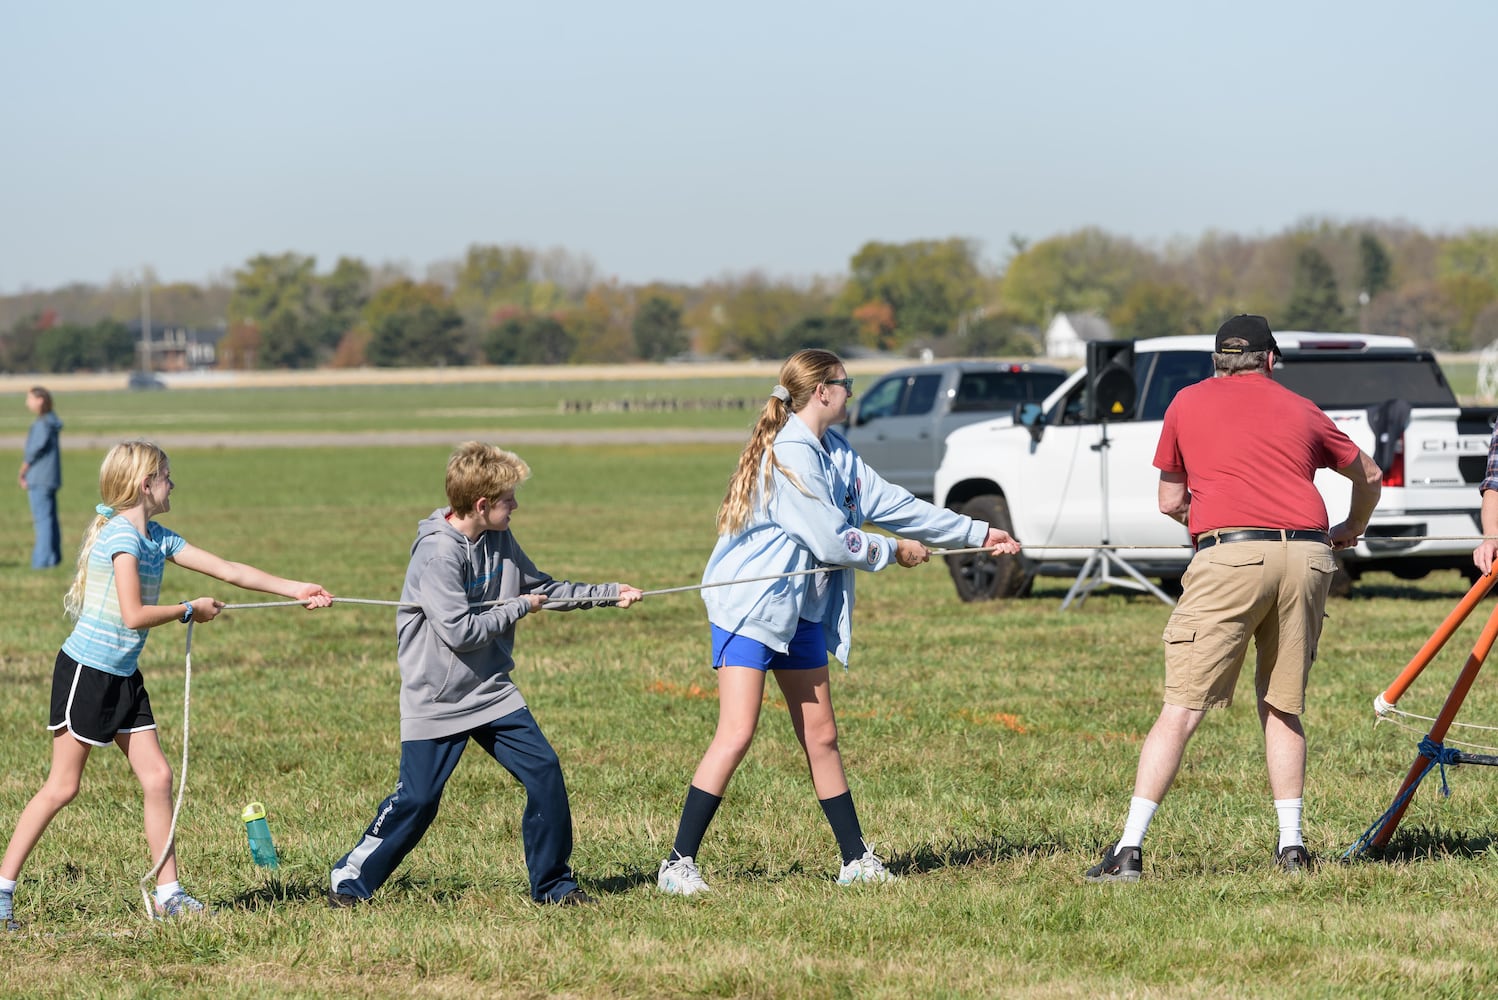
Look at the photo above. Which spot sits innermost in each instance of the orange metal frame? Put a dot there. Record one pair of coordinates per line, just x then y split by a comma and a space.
1454, 700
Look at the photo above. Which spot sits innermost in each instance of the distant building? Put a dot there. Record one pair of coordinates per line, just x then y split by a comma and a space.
176, 348
1069, 334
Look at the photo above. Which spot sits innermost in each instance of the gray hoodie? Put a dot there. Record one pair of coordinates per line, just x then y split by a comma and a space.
455, 649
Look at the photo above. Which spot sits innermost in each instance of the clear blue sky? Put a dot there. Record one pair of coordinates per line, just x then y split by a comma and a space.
686, 140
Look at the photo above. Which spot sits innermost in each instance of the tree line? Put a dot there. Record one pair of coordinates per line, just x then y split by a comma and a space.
504, 305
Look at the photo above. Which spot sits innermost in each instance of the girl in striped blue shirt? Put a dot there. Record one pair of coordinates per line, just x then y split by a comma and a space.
98, 696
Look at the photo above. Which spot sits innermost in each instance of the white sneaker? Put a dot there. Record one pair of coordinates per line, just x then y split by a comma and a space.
680, 877
867, 869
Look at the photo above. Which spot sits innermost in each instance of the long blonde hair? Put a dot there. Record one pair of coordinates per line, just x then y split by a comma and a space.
800, 375
125, 467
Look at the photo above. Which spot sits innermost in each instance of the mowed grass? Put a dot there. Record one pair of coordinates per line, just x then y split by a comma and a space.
493, 407
991, 751
488, 408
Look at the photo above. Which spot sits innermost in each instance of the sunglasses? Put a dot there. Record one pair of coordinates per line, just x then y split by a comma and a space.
846, 383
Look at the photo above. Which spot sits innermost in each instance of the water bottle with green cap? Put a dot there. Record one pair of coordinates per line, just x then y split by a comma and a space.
262, 848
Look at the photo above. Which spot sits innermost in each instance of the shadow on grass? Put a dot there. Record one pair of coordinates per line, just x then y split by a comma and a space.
1426, 844
1384, 587
275, 892
923, 858
962, 854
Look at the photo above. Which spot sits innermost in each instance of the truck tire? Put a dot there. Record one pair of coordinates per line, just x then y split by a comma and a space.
979, 576
1342, 581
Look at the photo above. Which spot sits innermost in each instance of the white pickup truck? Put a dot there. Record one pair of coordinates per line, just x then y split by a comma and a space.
1039, 473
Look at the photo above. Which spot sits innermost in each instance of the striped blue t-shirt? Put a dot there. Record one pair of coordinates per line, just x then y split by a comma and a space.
100, 639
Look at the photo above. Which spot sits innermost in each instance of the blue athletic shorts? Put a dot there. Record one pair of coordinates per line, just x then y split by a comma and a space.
807, 651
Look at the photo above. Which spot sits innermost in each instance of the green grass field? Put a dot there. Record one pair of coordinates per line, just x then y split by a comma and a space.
497, 406
990, 748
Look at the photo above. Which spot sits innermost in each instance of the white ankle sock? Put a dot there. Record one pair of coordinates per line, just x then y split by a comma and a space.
7, 885
166, 890
1141, 811
1289, 812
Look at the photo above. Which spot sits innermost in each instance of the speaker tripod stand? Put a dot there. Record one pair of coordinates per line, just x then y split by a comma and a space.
1097, 571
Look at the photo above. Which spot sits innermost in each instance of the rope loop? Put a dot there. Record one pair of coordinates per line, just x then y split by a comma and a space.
1440, 755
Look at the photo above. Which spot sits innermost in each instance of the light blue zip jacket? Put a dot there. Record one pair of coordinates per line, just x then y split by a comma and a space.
798, 532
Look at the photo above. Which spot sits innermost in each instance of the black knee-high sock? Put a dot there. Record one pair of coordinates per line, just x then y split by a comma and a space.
844, 819
696, 813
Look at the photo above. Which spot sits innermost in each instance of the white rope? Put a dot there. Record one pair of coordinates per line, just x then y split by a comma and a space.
549, 600
1385, 717
147, 881
1187, 545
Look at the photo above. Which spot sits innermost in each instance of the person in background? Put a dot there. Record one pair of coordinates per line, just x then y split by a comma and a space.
41, 477
798, 501
1238, 456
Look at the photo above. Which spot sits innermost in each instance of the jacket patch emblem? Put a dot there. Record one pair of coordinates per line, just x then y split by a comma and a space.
873, 553
854, 541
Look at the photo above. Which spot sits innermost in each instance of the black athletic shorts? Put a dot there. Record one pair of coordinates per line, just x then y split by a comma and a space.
95, 706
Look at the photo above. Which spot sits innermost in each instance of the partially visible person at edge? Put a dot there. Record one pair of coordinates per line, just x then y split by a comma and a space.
1487, 550
468, 587
798, 501
41, 477
98, 696
1238, 456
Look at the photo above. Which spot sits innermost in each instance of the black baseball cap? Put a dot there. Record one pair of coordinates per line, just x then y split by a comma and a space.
1252, 330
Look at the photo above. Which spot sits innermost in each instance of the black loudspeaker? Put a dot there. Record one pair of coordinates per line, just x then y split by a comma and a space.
1110, 381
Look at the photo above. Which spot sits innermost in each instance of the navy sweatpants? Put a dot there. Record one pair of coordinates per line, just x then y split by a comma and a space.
517, 743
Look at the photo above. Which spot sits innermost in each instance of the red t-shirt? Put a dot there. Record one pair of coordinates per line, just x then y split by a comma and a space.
1250, 449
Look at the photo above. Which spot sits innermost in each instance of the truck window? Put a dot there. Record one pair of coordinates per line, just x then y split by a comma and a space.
1158, 376
883, 400
1356, 381
900, 395
920, 394
1167, 374
1001, 391
1069, 409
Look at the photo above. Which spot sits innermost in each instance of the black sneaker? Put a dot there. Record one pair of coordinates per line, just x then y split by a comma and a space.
1124, 865
574, 898
1293, 859
344, 901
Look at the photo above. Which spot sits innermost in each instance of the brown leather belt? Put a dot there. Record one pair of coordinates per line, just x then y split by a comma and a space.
1212, 538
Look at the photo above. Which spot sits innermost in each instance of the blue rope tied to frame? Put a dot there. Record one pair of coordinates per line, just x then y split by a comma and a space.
1436, 755
1442, 755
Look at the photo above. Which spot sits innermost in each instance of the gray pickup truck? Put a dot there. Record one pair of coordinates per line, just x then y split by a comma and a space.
904, 418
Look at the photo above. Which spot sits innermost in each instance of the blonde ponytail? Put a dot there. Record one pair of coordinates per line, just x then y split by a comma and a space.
799, 378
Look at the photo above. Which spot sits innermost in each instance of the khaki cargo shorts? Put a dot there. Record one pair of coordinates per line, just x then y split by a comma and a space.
1271, 591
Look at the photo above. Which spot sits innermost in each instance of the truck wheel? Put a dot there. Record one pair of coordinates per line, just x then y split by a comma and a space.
982, 577
1342, 581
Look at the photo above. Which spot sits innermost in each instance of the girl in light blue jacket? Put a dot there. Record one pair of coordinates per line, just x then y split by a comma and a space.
798, 501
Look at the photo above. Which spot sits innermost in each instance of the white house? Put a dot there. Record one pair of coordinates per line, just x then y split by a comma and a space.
1069, 333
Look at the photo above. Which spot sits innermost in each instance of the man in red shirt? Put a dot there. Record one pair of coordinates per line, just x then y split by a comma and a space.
1237, 456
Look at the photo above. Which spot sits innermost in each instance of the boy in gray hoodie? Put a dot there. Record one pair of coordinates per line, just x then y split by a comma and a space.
467, 585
